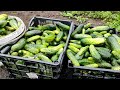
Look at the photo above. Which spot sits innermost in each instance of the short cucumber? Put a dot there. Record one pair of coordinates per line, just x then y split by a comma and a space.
32, 33
33, 38
62, 26
44, 58
82, 50
94, 65
98, 29
85, 62
77, 30
14, 53
75, 45
72, 58
95, 53
31, 49
59, 36
104, 53
76, 50
19, 45
47, 27
105, 65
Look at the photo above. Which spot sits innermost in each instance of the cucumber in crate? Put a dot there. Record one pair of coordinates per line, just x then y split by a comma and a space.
41, 49
103, 45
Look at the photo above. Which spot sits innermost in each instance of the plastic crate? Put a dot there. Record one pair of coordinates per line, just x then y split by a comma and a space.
40, 69
83, 72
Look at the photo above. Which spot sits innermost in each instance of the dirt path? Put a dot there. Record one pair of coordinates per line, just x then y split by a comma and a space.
27, 15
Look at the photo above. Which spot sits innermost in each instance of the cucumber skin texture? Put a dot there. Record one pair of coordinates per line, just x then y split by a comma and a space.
116, 54
25, 53
33, 38
52, 50
59, 36
85, 62
31, 49
19, 45
117, 38
101, 28
74, 49
113, 43
32, 33
83, 50
62, 26
54, 58
114, 63
95, 53
105, 65
103, 53
14, 53
104, 49
98, 29
43, 57
75, 45
60, 51
77, 30
81, 36
79, 57
50, 37
72, 58
94, 41
47, 27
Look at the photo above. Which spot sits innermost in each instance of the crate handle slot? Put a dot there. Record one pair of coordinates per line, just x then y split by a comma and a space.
32, 75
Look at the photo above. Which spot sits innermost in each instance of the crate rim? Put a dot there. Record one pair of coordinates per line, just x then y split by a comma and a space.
27, 59
39, 17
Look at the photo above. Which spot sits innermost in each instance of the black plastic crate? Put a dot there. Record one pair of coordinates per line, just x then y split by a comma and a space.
43, 70
83, 72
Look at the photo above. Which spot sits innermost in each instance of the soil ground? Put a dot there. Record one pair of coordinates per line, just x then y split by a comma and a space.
27, 15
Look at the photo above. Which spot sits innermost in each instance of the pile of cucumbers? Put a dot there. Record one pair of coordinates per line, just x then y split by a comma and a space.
8, 25
42, 42
95, 47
